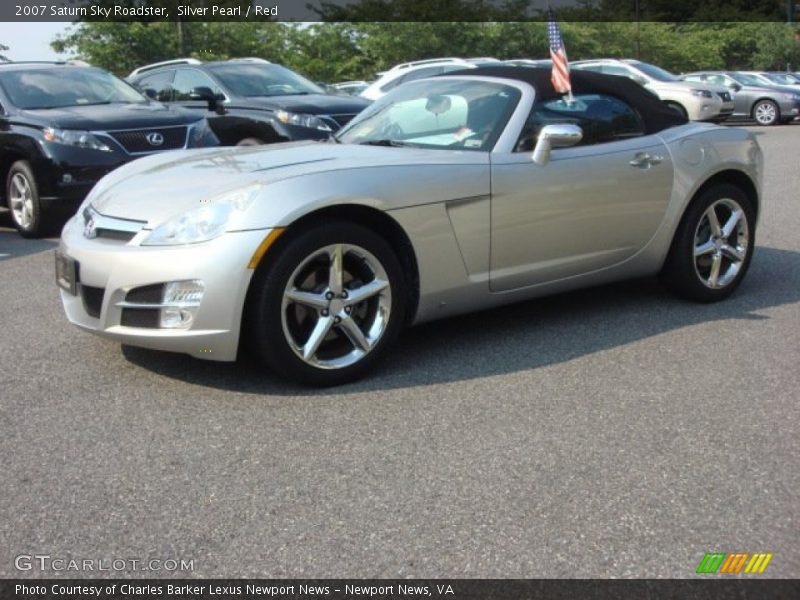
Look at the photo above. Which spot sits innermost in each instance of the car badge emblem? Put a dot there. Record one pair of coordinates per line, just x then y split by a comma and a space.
90, 229
155, 139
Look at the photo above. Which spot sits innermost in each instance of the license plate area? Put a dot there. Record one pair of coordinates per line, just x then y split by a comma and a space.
66, 273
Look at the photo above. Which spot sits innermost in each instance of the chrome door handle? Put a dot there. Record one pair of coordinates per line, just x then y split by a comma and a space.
644, 161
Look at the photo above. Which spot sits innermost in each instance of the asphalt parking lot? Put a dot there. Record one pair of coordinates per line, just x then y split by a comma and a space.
612, 432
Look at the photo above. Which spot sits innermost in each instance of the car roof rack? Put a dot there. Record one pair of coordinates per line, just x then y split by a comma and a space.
429, 61
165, 63
250, 59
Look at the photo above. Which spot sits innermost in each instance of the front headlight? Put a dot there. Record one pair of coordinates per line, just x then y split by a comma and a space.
302, 120
72, 137
702, 93
205, 223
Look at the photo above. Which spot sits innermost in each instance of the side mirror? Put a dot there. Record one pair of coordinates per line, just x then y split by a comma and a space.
150, 93
205, 93
735, 87
555, 136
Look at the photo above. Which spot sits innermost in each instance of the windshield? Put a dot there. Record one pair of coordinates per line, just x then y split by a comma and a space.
61, 87
781, 78
653, 71
253, 80
444, 112
746, 79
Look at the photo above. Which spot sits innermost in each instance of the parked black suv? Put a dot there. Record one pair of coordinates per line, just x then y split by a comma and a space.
62, 127
248, 101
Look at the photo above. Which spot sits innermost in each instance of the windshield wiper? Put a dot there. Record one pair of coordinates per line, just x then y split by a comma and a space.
385, 142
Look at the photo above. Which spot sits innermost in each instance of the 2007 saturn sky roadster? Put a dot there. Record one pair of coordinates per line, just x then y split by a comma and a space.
468, 190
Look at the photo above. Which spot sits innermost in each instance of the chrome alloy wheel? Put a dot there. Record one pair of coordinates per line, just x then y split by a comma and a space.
21, 200
721, 243
336, 306
766, 113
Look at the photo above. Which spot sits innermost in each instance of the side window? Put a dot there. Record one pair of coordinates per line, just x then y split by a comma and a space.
188, 79
157, 85
602, 119
716, 80
698, 78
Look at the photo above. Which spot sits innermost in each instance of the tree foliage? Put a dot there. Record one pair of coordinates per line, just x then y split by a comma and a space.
335, 51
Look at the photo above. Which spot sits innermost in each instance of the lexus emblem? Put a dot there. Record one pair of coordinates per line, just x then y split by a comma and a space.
155, 138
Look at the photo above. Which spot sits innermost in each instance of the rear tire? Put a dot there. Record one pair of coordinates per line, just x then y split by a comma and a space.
22, 196
323, 325
713, 246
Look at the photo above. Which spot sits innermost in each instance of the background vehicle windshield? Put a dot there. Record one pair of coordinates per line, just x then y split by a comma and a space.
746, 79
436, 113
781, 79
65, 86
252, 80
653, 71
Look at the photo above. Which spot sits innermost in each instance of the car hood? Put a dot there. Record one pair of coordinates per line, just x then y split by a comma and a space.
157, 187
113, 116
684, 86
313, 104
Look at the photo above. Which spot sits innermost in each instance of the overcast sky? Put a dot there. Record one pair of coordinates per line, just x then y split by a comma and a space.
30, 41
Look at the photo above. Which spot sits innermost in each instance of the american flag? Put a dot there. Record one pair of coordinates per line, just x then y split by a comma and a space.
558, 54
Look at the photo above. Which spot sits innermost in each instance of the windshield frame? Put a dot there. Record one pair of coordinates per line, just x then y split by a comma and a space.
510, 128
122, 88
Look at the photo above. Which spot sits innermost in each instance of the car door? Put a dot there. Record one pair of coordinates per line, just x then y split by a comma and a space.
592, 206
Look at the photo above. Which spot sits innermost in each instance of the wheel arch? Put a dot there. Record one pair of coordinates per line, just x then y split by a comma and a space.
371, 218
733, 177
6, 160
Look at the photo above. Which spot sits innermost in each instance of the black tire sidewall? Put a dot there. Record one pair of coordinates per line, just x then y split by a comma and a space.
265, 336
23, 168
679, 272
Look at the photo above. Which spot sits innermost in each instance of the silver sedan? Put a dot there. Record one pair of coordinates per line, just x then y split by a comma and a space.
452, 194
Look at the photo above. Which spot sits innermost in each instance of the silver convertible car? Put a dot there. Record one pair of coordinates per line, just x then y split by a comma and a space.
452, 194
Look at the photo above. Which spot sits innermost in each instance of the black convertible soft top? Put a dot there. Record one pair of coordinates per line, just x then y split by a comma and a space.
656, 115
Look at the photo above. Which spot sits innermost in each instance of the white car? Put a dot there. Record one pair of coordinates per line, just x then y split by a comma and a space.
696, 102
412, 71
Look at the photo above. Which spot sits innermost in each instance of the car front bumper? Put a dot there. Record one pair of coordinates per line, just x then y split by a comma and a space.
108, 269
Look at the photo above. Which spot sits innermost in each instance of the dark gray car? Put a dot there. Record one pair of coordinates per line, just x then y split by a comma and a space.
768, 105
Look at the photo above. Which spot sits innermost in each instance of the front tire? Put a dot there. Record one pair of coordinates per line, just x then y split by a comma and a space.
713, 245
327, 305
22, 196
250, 141
766, 112
678, 108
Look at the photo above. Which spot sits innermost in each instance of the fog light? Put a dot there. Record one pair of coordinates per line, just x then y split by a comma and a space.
181, 300
175, 318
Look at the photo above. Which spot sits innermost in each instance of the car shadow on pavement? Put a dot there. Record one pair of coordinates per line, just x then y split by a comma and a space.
13, 245
515, 338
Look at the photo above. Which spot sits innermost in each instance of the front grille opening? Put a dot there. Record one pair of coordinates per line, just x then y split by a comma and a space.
148, 294
92, 300
167, 138
140, 317
115, 234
